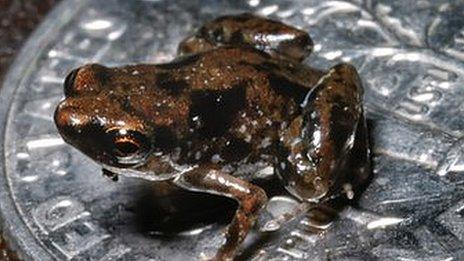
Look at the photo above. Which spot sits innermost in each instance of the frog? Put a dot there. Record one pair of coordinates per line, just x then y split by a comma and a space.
237, 100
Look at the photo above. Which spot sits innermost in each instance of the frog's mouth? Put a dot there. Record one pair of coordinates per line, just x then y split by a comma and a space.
143, 171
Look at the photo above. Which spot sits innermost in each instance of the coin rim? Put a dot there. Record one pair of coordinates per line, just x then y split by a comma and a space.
17, 234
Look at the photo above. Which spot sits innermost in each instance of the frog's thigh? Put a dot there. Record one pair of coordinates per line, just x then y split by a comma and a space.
273, 37
319, 143
250, 198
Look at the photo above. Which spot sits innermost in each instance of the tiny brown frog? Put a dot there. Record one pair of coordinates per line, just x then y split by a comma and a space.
237, 100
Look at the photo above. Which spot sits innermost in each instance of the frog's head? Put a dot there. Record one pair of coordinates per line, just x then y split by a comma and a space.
104, 117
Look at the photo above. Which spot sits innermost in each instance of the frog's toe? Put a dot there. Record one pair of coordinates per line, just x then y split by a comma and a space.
278, 222
113, 176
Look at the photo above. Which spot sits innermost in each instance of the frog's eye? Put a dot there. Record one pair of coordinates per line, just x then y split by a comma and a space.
129, 147
125, 146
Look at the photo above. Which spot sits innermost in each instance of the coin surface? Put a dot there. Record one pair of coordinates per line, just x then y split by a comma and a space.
54, 205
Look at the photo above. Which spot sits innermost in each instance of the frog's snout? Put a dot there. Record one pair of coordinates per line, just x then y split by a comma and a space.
76, 129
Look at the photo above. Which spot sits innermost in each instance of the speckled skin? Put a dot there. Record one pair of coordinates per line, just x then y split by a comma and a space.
237, 96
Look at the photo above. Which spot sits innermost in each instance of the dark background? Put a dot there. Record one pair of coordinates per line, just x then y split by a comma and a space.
18, 18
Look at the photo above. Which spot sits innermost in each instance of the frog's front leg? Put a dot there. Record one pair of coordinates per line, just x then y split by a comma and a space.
250, 198
272, 37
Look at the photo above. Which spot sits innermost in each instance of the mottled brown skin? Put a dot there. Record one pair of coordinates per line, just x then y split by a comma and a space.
238, 95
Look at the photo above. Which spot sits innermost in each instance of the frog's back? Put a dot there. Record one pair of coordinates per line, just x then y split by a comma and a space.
239, 100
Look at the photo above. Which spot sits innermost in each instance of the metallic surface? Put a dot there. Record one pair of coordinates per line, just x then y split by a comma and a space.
17, 20
410, 57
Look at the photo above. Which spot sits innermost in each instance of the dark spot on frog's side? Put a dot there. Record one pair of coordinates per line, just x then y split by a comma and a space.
284, 86
280, 84
166, 82
212, 111
235, 150
164, 139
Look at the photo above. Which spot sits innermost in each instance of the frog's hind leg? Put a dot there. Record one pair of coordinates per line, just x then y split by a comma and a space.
325, 151
272, 37
251, 199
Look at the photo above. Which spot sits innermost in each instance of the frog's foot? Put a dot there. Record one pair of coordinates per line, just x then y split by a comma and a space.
251, 199
246, 29
113, 176
276, 223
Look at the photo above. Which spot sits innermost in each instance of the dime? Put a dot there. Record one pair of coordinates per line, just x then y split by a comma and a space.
410, 56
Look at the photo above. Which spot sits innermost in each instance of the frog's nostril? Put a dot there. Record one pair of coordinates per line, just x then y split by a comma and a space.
67, 117
62, 116
69, 83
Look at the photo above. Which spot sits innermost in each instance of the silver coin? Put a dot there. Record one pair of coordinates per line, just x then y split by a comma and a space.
411, 58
